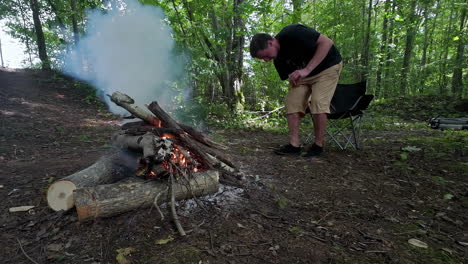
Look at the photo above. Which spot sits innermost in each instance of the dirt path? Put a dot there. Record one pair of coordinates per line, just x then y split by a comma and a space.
346, 207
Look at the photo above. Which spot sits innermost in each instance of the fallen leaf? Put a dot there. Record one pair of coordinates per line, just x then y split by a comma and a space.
122, 253
23, 208
465, 244
165, 241
240, 225
411, 149
417, 243
448, 196
55, 247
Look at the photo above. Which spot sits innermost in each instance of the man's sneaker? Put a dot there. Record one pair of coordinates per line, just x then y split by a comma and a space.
287, 150
313, 151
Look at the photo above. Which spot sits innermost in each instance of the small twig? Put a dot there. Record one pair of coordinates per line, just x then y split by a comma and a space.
376, 251
173, 210
155, 203
265, 115
24, 252
265, 215
324, 217
186, 177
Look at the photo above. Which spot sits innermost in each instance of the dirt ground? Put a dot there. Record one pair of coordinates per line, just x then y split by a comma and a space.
344, 207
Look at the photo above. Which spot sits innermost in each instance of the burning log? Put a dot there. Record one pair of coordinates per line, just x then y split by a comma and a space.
107, 169
112, 199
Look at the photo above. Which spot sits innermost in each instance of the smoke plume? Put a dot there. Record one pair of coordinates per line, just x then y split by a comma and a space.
129, 49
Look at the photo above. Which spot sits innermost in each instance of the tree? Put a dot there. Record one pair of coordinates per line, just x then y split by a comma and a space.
40, 40
409, 45
457, 79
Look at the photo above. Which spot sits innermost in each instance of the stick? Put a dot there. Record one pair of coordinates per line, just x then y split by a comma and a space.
24, 252
265, 115
174, 213
156, 203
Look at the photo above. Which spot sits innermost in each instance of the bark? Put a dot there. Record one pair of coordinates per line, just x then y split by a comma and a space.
107, 169
444, 59
457, 79
389, 52
366, 48
112, 199
383, 51
422, 72
41, 45
74, 11
1, 53
127, 102
409, 44
154, 149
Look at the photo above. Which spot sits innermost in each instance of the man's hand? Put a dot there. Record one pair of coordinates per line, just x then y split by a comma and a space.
297, 75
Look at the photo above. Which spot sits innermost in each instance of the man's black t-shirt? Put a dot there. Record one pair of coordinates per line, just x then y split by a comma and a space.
297, 47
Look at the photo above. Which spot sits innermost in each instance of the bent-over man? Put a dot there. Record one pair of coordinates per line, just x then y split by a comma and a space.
313, 65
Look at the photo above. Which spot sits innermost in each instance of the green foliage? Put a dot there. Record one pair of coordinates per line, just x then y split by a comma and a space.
421, 108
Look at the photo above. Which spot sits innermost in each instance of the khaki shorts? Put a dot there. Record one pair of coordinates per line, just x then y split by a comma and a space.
315, 92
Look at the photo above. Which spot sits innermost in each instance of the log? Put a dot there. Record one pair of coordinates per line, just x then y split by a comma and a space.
127, 102
168, 122
108, 169
112, 199
155, 149
199, 146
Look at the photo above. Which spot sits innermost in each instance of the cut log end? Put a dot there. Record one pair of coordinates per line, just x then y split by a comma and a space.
60, 195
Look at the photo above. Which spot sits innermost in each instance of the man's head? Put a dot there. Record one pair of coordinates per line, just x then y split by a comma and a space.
263, 46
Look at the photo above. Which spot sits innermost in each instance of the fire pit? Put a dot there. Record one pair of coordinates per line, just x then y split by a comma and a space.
168, 161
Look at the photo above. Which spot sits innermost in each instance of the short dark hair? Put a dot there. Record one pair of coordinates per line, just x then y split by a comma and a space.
259, 42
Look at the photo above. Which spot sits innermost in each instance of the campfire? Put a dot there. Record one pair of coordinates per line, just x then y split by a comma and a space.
158, 160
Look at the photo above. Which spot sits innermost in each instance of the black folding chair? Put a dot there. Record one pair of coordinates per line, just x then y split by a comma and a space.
344, 121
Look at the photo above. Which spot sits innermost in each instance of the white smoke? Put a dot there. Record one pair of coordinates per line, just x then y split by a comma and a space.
127, 49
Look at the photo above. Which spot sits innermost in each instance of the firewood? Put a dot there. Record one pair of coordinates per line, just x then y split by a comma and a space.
168, 122
155, 149
209, 155
127, 103
112, 199
109, 168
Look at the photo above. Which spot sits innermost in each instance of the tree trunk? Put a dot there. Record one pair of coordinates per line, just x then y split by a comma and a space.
444, 59
409, 44
112, 199
383, 51
1, 53
457, 79
107, 169
422, 65
74, 11
366, 46
41, 45
388, 57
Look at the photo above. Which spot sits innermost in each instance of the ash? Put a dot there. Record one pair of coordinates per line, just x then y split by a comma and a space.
226, 197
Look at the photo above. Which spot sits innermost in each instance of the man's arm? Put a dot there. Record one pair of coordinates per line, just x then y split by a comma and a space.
324, 44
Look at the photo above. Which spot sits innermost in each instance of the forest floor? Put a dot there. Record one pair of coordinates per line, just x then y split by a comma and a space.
409, 182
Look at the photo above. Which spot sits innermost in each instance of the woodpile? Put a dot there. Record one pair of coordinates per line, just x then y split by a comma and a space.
158, 160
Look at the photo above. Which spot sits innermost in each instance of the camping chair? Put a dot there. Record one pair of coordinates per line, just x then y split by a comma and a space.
347, 106
344, 121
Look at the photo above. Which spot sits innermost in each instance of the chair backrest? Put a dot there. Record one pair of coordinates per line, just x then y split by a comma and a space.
346, 96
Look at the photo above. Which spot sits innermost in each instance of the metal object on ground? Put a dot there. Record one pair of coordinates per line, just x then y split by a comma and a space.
449, 123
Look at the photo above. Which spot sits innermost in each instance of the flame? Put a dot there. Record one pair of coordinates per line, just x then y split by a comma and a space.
166, 136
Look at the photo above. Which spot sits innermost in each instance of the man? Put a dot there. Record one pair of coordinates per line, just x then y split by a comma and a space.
313, 65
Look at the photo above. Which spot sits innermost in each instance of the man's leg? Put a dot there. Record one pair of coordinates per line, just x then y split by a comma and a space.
294, 123
320, 124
